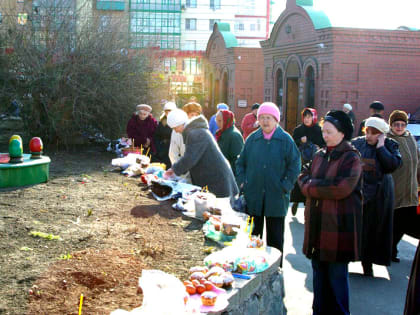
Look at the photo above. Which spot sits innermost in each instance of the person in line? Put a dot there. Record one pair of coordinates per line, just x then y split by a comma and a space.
380, 157
250, 123
412, 300
308, 138
333, 214
228, 137
212, 122
267, 169
202, 158
406, 219
376, 109
207, 110
141, 127
163, 135
348, 109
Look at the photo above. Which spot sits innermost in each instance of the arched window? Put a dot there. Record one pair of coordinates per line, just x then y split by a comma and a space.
309, 87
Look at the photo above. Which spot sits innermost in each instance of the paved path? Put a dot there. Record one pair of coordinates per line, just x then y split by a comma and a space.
384, 294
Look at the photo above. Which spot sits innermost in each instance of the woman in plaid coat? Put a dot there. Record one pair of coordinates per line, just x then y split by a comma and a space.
333, 214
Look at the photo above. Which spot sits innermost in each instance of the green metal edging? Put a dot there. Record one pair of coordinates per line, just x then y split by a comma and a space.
29, 172
318, 17
110, 5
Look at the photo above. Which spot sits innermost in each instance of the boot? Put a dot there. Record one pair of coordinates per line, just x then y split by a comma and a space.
294, 208
367, 269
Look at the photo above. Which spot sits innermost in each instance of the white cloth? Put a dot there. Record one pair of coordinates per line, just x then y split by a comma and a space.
377, 123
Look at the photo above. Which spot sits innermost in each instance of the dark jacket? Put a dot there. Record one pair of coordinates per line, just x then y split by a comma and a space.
268, 170
231, 144
162, 139
313, 134
204, 160
140, 130
333, 210
412, 301
378, 198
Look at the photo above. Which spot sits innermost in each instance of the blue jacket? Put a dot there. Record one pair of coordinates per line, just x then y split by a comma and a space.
213, 125
268, 170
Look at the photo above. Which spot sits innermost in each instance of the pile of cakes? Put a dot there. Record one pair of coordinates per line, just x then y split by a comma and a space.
205, 281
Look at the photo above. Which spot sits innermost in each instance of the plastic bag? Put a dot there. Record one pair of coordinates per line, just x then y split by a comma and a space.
159, 287
126, 161
178, 189
203, 201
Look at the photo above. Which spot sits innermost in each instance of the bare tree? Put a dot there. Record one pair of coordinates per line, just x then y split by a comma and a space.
74, 72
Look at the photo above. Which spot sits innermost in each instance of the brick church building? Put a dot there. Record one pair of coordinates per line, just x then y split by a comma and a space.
310, 61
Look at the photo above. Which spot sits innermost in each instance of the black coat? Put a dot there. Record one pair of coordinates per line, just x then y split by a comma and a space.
162, 140
378, 198
313, 135
412, 301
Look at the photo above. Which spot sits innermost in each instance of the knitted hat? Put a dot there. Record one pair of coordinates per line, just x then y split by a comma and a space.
270, 109
377, 123
376, 105
144, 107
398, 115
177, 117
341, 121
222, 106
169, 106
347, 106
255, 106
192, 107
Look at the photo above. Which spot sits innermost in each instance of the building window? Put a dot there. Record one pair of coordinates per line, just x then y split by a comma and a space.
191, 3
241, 26
211, 23
253, 27
215, 4
1, 18
191, 24
190, 45
310, 88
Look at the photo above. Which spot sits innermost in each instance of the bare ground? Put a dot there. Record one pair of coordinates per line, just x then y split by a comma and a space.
110, 228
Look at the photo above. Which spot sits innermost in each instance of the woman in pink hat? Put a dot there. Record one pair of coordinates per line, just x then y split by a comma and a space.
267, 169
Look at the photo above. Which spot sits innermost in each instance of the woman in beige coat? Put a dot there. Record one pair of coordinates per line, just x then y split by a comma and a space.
406, 219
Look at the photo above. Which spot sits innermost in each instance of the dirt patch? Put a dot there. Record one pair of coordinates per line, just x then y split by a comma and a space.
110, 229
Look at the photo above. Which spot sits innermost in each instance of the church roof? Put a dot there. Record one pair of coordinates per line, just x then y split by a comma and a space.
350, 14
228, 37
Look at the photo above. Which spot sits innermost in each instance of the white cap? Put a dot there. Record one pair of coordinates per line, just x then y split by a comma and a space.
169, 106
347, 106
177, 117
377, 123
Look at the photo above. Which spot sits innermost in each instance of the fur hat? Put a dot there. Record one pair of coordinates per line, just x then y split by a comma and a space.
192, 107
398, 115
169, 106
377, 123
144, 107
376, 105
270, 109
177, 117
347, 106
341, 121
221, 106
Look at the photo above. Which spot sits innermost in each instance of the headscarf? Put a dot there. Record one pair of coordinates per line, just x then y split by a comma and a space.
314, 114
228, 121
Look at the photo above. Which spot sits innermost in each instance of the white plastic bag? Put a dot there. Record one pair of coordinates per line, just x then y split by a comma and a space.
163, 294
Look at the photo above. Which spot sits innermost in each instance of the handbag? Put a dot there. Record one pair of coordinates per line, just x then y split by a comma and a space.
239, 203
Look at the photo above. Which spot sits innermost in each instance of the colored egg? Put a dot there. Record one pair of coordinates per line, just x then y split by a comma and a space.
15, 148
15, 137
35, 145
